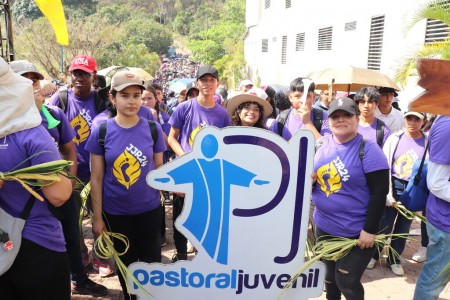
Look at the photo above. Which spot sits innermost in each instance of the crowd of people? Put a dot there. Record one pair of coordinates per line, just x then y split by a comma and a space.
117, 134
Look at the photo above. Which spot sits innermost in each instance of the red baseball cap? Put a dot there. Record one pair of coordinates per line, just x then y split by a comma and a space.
84, 63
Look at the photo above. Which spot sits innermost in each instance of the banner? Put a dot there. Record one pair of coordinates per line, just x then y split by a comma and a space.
53, 10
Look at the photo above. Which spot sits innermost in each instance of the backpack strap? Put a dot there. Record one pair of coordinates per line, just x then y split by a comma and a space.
26, 211
361, 149
100, 104
153, 131
317, 118
282, 117
419, 171
380, 132
63, 95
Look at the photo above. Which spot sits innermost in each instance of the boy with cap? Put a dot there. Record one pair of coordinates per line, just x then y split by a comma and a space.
246, 85
392, 117
81, 104
189, 117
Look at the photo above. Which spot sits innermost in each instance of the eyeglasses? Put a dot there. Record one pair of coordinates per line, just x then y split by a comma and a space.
79, 73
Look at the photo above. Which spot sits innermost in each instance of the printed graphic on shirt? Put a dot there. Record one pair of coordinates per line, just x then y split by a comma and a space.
331, 176
195, 131
127, 167
404, 163
81, 124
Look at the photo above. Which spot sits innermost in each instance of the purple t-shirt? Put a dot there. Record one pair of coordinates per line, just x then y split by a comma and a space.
294, 122
370, 132
341, 194
129, 158
163, 120
67, 133
190, 117
408, 151
80, 112
41, 226
438, 210
101, 118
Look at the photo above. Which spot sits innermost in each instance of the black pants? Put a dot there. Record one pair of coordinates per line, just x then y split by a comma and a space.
347, 283
38, 274
179, 239
144, 235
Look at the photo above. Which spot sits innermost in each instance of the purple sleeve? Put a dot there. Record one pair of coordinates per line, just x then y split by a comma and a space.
160, 145
145, 113
67, 131
92, 144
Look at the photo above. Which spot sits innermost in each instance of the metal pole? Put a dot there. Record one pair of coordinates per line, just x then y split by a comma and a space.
61, 48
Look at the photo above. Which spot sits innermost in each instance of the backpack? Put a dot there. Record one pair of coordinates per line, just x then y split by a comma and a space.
360, 152
380, 132
317, 119
102, 133
100, 105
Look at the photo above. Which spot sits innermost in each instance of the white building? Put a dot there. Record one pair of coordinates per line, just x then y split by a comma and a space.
290, 38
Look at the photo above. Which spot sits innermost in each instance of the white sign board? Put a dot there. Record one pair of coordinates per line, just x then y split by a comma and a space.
246, 212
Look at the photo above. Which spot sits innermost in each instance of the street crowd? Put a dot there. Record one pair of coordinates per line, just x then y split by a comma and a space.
117, 133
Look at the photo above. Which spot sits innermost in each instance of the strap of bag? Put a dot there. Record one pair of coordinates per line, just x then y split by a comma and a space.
419, 171
380, 132
26, 211
282, 120
102, 133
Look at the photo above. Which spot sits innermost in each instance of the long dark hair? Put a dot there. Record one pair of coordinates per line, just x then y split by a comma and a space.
236, 120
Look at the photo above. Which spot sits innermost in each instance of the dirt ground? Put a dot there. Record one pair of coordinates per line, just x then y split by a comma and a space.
379, 283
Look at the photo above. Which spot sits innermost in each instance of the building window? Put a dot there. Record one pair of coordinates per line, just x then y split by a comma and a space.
288, 3
300, 42
325, 38
265, 45
375, 43
267, 4
283, 50
350, 26
436, 31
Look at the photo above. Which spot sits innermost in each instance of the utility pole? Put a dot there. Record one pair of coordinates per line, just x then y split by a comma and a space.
6, 34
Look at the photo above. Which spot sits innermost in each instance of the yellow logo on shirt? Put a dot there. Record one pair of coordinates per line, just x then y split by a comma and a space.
81, 128
194, 133
126, 169
329, 179
403, 165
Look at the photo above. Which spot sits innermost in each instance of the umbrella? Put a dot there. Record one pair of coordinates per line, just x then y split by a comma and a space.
181, 84
141, 73
351, 79
107, 70
434, 78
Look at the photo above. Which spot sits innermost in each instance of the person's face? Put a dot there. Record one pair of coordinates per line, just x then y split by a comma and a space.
193, 93
82, 80
148, 99
128, 101
249, 114
38, 97
246, 88
296, 99
159, 95
182, 96
367, 107
413, 124
207, 85
343, 124
386, 99
325, 98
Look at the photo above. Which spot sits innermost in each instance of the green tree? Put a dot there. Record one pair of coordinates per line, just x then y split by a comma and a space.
138, 56
438, 10
156, 37
181, 22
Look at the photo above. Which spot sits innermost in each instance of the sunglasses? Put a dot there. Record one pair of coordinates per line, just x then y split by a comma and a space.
79, 73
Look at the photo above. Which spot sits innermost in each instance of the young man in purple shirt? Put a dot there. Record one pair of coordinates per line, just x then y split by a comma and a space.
189, 117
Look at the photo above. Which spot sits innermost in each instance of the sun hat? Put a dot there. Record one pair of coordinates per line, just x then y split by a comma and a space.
345, 104
24, 66
420, 115
124, 79
235, 101
84, 63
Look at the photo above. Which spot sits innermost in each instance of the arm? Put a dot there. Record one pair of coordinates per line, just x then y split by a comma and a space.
69, 153
58, 192
158, 159
97, 175
173, 141
438, 180
378, 182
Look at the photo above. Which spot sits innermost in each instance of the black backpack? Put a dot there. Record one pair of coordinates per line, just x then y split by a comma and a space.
102, 133
100, 104
317, 119
380, 132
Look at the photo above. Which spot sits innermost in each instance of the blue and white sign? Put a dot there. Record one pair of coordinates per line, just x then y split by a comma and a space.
246, 212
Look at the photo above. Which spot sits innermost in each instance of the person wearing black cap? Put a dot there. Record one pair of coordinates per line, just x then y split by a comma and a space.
392, 117
189, 117
349, 194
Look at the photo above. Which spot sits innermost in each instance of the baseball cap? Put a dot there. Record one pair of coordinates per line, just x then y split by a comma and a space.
84, 63
258, 92
203, 70
345, 104
384, 90
246, 82
24, 66
420, 115
124, 79
191, 86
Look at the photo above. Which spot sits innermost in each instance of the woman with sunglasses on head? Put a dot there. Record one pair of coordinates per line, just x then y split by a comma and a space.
121, 199
351, 183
